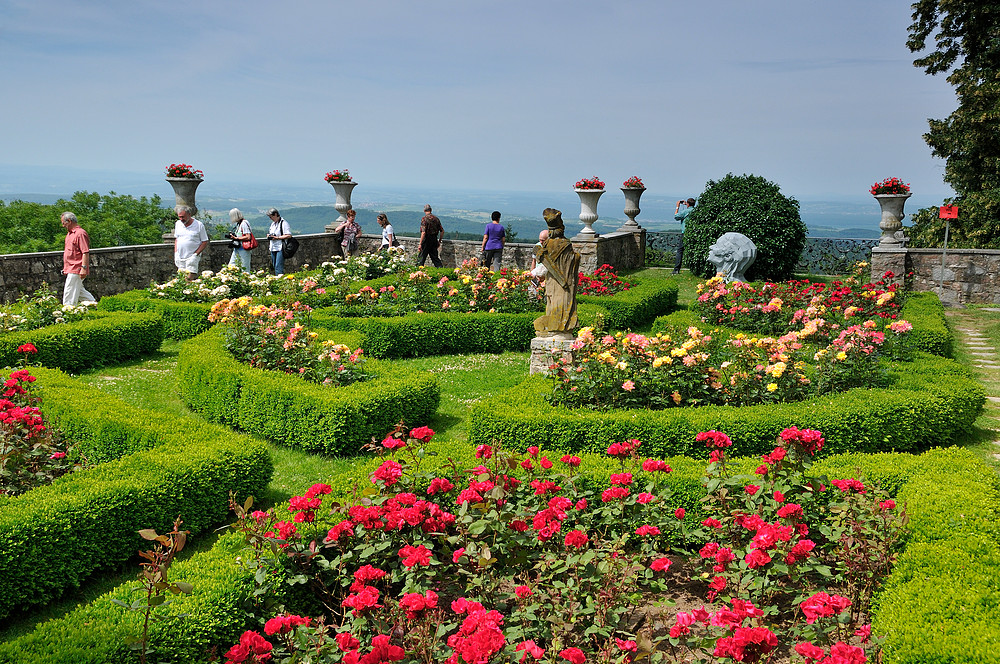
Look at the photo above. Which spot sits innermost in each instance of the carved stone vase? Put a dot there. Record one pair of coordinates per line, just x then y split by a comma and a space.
632, 195
343, 205
892, 218
588, 209
184, 190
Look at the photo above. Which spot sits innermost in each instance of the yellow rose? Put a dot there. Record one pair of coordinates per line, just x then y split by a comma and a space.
771, 387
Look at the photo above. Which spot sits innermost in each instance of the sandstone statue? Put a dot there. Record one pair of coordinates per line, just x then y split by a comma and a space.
562, 265
732, 255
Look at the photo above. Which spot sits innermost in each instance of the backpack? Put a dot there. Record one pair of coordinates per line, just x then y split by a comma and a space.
290, 246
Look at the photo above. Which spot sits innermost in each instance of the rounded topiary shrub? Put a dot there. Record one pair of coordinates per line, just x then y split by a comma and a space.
750, 205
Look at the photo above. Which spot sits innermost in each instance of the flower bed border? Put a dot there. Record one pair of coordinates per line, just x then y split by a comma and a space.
649, 298
929, 611
101, 339
923, 310
933, 399
290, 411
53, 537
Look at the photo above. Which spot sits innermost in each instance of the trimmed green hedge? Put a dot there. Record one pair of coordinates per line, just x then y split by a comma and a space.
100, 339
638, 306
98, 633
942, 601
53, 537
181, 320
930, 333
932, 400
291, 411
421, 335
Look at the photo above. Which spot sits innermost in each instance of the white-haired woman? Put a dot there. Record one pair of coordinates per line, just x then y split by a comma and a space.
241, 231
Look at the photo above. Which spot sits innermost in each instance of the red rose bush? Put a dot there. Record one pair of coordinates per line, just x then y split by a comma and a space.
524, 559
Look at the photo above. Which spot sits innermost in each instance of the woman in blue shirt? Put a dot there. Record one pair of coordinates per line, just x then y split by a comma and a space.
493, 241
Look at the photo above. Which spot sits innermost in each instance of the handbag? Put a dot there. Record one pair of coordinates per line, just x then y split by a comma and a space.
290, 246
251, 243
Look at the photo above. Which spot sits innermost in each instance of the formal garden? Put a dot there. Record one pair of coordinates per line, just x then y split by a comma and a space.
352, 464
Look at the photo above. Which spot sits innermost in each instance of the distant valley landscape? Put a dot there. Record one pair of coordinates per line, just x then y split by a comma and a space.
310, 208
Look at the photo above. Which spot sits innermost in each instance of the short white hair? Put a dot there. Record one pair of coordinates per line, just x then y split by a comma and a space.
182, 208
68, 215
236, 216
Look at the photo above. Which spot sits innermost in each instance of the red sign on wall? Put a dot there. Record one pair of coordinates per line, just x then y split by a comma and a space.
949, 212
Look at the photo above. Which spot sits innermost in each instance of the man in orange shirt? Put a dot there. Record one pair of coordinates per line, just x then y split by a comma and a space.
76, 260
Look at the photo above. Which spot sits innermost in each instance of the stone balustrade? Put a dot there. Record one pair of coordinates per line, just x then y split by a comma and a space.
118, 269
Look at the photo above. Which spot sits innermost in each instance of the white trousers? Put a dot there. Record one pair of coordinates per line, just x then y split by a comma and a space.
74, 291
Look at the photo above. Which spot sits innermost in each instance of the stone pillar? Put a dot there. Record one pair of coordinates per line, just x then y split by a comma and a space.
587, 247
889, 259
546, 350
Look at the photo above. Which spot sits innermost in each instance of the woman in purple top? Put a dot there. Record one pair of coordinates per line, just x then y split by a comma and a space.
493, 241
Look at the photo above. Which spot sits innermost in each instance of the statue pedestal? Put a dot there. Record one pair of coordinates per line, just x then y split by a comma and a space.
544, 350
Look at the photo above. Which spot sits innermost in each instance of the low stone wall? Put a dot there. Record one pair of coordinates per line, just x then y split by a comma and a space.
971, 276
118, 269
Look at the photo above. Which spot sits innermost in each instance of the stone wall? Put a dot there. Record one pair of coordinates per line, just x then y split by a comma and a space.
117, 269
971, 276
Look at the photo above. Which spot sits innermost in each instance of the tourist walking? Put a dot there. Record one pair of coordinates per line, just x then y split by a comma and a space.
494, 238
681, 216
277, 233
352, 232
190, 241
76, 260
388, 235
241, 232
431, 232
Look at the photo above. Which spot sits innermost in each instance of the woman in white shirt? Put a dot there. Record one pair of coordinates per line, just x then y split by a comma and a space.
241, 232
277, 233
388, 237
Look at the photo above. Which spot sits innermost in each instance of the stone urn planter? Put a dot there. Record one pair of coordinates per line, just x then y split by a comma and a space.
892, 218
588, 209
343, 190
184, 190
632, 196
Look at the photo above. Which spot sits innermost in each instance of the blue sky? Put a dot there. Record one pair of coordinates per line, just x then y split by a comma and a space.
820, 97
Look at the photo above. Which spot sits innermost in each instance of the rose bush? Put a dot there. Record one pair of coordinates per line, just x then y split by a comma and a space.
39, 309
278, 339
628, 370
776, 308
31, 452
603, 281
519, 559
472, 288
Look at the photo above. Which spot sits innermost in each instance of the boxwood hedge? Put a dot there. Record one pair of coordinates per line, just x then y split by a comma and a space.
100, 632
100, 339
636, 307
54, 536
288, 410
931, 401
942, 601
181, 320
